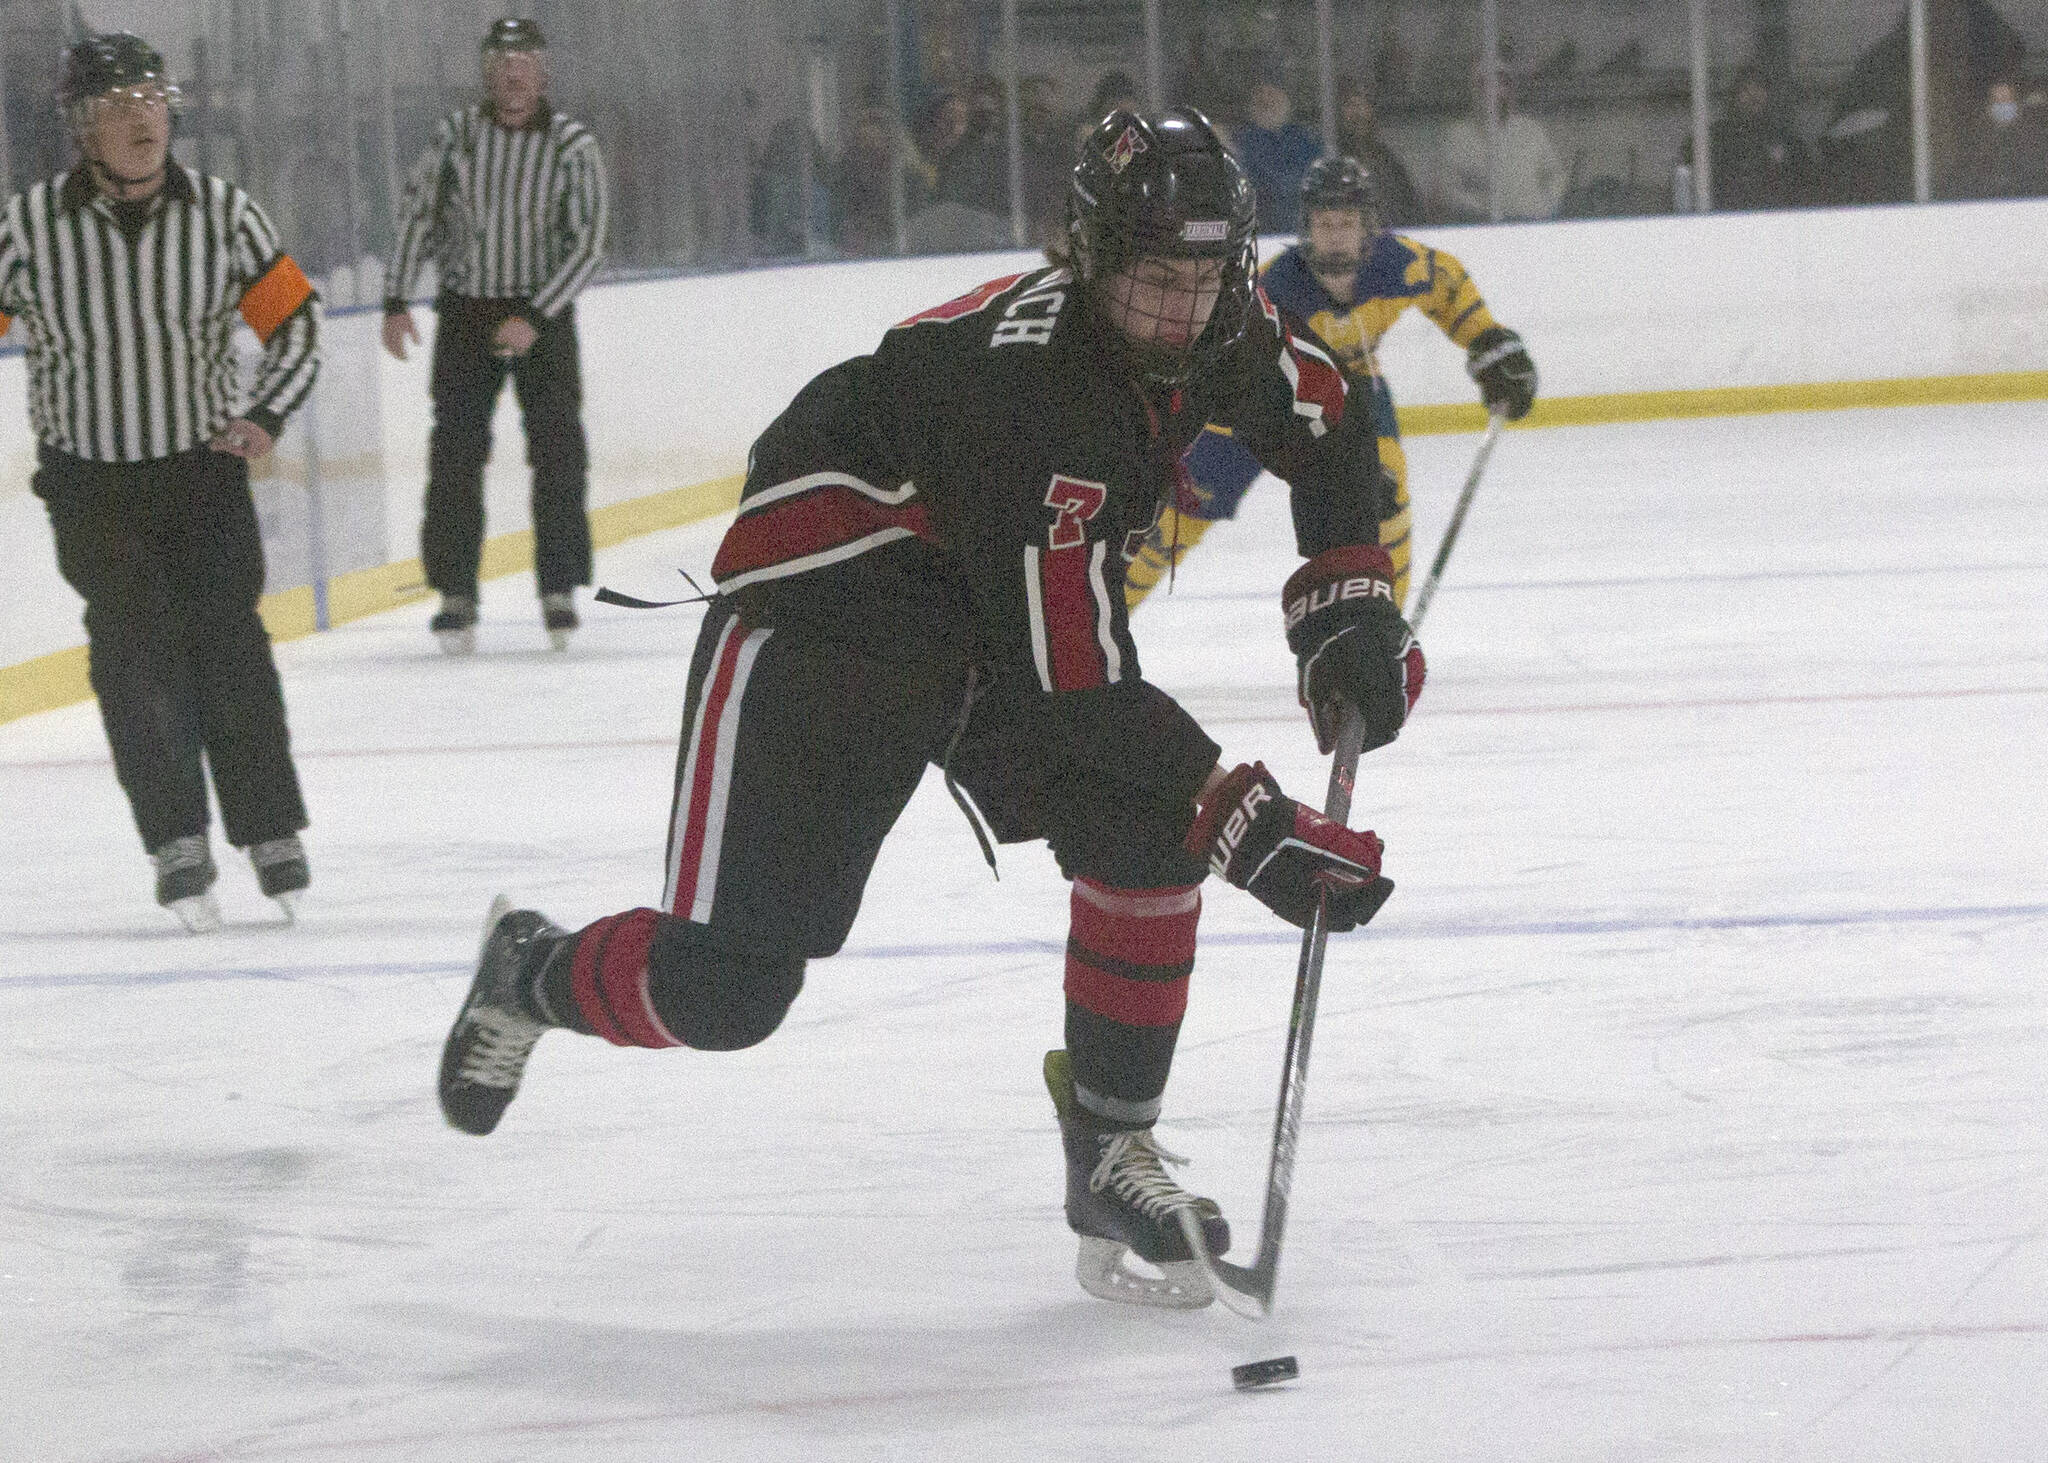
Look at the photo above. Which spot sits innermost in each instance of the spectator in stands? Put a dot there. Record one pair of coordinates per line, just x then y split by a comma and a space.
1048, 155
975, 173
1757, 159
1532, 175
861, 185
1115, 91
962, 193
782, 175
1358, 136
2004, 152
1275, 152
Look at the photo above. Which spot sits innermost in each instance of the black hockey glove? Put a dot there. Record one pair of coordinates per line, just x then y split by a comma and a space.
1285, 855
1351, 644
1500, 363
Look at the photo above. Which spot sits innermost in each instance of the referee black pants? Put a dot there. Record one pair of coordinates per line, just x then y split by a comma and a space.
169, 560
467, 379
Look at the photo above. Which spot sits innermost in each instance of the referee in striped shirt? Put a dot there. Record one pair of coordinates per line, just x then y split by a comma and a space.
510, 200
122, 278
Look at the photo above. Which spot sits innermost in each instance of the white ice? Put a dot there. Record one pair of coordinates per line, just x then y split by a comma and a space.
1685, 1103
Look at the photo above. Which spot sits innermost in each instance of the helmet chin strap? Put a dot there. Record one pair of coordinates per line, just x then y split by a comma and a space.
121, 181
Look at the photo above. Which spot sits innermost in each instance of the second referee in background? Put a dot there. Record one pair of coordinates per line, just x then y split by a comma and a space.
510, 199
123, 278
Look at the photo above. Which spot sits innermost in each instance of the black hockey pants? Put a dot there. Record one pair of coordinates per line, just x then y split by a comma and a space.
800, 750
169, 560
467, 380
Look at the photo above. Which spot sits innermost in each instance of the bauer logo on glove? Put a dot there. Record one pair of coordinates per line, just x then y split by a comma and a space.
1351, 644
1288, 856
1363, 586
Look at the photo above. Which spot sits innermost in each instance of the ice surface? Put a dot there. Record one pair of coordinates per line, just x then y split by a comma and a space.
1685, 1103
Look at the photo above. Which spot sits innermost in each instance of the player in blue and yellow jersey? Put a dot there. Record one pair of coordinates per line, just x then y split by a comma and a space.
1350, 280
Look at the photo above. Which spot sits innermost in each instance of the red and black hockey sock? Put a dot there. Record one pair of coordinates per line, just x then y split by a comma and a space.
1129, 955
644, 978
601, 989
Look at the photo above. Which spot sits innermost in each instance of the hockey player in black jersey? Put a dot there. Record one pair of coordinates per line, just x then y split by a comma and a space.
927, 567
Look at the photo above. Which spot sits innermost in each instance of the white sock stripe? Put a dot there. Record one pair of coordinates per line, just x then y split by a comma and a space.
1117, 1109
1140, 906
653, 1017
680, 814
721, 778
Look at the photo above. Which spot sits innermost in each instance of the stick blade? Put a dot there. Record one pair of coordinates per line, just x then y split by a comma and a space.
1246, 1290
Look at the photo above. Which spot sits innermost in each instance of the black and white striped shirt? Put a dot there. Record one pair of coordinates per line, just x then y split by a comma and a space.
506, 211
128, 314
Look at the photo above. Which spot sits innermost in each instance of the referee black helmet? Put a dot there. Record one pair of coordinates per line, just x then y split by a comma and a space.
110, 62
510, 33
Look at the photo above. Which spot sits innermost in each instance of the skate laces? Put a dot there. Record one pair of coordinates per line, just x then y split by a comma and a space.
500, 1041
1133, 1167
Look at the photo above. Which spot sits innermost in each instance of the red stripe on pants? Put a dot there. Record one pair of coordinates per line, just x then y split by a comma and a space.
698, 806
609, 979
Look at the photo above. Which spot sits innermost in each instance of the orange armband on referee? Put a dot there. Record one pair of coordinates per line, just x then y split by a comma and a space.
276, 297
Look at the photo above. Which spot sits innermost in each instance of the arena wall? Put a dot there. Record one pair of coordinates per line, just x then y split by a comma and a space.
1627, 320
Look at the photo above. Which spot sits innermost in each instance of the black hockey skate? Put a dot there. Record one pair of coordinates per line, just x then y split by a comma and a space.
1121, 1199
184, 881
558, 614
282, 871
454, 624
493, 1035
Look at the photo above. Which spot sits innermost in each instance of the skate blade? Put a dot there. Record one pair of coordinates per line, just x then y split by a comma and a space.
558, 639
288, 901
200, 913
1180, 1285
456, 642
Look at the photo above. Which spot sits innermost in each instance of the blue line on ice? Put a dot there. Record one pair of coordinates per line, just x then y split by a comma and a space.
1391, 931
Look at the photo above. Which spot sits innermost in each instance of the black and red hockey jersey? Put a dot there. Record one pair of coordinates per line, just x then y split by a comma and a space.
986, 474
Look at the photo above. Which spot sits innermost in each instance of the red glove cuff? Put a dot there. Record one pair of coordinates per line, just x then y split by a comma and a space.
1351, 571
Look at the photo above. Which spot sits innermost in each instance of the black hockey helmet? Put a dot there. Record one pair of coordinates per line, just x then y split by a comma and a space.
510, 33
1165, 189
115, 61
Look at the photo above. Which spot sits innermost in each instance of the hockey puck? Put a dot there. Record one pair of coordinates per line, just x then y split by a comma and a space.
1254, 1374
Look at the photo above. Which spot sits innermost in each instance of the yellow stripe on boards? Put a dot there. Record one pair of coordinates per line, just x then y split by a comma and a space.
44, 684
1732, 401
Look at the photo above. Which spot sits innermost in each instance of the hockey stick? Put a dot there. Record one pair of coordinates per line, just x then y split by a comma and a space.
1248, 1289
1443, 550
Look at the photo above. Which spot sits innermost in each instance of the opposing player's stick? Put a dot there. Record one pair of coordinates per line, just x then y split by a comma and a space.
1443, 550
1248, 1289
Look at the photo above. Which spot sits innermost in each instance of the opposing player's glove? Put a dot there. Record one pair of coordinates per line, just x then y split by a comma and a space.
1285, 854
1500, 363
1351, 644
